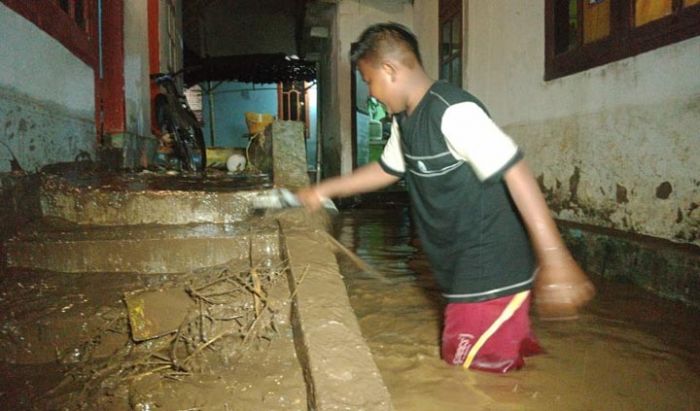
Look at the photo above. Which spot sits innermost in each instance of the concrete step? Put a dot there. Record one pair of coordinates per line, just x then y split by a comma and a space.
141, 249
107, 206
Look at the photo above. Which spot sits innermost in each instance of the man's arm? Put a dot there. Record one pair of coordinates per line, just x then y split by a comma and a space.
561, 286
364, 179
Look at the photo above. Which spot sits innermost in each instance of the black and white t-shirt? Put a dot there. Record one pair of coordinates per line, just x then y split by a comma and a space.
453, 157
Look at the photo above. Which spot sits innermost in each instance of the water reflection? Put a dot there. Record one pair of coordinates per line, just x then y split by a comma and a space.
629, 350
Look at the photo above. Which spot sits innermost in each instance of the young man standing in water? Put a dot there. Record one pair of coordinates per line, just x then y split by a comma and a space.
462, 172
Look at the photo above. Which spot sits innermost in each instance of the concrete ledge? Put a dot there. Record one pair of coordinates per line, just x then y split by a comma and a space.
119, 207
145, 249
668, 269
338, 366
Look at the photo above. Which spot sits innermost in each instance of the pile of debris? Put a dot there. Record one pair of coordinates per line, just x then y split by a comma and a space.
197, 324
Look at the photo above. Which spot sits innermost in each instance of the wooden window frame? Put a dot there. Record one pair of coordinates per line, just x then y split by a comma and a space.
625, 40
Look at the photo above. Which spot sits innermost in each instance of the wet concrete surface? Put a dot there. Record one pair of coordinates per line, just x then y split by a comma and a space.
213, 180
630, 350
65, 340
143, 249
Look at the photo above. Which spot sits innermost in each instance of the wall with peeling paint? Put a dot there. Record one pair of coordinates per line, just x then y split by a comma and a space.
47, 97
615, 146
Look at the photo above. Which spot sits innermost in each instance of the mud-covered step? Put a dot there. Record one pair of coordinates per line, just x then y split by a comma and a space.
142, 249
106, 206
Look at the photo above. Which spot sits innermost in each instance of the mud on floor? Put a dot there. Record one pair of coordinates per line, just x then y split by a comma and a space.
215, 339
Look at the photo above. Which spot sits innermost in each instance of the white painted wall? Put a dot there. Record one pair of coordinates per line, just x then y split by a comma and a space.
627, 127
353, 17
47, 97
426, 29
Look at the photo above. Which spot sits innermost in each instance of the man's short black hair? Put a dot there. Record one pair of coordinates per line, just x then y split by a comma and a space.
380, 39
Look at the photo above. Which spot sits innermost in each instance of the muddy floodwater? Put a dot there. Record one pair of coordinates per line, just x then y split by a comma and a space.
629, 350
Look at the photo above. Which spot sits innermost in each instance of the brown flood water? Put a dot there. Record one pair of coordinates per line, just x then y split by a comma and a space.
629, 350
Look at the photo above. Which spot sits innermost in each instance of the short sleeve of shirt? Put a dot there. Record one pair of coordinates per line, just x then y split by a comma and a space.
471, 135
392, 156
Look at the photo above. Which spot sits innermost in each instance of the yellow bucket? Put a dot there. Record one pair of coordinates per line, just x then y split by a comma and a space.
258, 121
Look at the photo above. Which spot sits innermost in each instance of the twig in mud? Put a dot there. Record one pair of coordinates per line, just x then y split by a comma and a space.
195, 294
250, 330
257, 288
201, 321
246, 287
210, 342
218, 280
160, 357
149, 372
298, 283
173, 346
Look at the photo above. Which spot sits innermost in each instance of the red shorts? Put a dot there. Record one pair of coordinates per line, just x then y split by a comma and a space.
504, 350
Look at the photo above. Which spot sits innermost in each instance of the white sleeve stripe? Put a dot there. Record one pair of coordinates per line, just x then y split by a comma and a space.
443, 154
440, 97
392, 156
440, 172
472, 136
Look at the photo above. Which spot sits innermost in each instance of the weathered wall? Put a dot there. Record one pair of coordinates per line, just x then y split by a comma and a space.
616, 146
47, 97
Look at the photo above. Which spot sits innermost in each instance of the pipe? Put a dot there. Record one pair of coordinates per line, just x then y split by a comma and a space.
210, 94
99, 39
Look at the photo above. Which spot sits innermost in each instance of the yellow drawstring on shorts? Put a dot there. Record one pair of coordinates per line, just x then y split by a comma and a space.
511, 308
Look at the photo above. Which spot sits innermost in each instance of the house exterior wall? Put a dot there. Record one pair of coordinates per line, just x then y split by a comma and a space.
47, 97
353, 17
426, 29
615, 146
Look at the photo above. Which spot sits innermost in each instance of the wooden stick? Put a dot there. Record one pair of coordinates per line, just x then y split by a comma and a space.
257, 288
360, 263
298, 283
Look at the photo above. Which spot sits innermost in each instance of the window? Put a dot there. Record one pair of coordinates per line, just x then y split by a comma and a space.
291, 102
451, 41
581, 34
